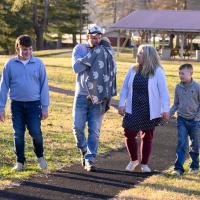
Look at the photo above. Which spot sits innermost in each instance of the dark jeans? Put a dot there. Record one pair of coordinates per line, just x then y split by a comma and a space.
145, 145
187, 128
27, 115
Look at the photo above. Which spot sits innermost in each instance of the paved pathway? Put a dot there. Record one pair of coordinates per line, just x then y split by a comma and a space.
109, 179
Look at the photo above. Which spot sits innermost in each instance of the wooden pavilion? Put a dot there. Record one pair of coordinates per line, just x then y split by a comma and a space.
184, 24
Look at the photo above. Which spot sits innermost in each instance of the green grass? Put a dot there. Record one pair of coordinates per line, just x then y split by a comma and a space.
59, 142
57, 130
165, 186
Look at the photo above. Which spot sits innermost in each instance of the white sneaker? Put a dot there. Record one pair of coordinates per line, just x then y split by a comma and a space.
18, 167
42, 163
132, 165
145, 168
177, 173
194, 171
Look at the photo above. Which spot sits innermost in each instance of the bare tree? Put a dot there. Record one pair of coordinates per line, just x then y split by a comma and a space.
193, 4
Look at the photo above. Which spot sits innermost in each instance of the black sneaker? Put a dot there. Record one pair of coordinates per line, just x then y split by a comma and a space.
90, 166
83, 153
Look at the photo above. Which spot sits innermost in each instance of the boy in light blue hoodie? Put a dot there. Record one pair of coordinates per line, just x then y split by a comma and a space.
24, 76
187, 105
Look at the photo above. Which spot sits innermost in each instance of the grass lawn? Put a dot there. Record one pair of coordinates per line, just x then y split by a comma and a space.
57, 129
58, 138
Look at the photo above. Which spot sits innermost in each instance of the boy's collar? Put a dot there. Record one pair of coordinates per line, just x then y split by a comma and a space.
187, 84
31, 59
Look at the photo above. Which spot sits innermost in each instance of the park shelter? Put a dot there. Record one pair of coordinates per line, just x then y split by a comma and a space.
113, 36
148, 23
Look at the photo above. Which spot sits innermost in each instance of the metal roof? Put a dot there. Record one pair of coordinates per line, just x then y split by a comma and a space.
161, 20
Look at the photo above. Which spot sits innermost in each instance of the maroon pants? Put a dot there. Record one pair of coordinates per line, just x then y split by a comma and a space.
145, 145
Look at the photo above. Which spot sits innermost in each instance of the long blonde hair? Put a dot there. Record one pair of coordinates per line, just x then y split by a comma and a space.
151, 60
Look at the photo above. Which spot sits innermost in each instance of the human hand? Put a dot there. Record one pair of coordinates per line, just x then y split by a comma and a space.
2, 116
165, 116
44, 115
173, 117
121, 110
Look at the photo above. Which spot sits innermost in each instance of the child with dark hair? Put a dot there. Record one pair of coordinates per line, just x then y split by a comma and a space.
25, 77
23, 40
187, 105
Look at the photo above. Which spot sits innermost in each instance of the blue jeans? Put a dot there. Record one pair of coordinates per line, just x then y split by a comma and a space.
187, 128
92, 114
27, 115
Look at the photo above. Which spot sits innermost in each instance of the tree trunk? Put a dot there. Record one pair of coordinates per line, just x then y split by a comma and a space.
115, 11
81, 21
39, 40
59, 41
40, 28
74, 39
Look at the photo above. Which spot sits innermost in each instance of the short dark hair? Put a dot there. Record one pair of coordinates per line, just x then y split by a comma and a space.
23, 40
186, 66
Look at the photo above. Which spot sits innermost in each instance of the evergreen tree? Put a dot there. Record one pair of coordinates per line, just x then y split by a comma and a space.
12, 25
38, 10
66, 17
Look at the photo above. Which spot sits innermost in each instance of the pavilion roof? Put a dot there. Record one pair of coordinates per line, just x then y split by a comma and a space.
161, 20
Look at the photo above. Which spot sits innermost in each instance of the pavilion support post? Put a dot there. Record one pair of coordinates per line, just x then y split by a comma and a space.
177, 42
128, 36
142, 36
118, 42
191, 44
165, 52
149, 37
181, 45
163, 41
171, 41
154, 40
182, 40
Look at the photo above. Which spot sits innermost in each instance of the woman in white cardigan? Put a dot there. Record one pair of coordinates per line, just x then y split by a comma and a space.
144, 101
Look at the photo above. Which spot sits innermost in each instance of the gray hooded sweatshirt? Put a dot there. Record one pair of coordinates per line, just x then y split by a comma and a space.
187, 101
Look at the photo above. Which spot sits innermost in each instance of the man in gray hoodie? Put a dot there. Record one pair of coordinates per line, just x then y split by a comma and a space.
84, 111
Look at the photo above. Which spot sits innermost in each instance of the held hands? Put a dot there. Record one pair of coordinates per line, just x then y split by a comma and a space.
44, 115
121, 110
165, 116
2, 116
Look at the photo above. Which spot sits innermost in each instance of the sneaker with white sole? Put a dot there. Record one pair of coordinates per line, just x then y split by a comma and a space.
18, 167
145, 168
90, 166
132, 165
177, 173
194, 171
42, 163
